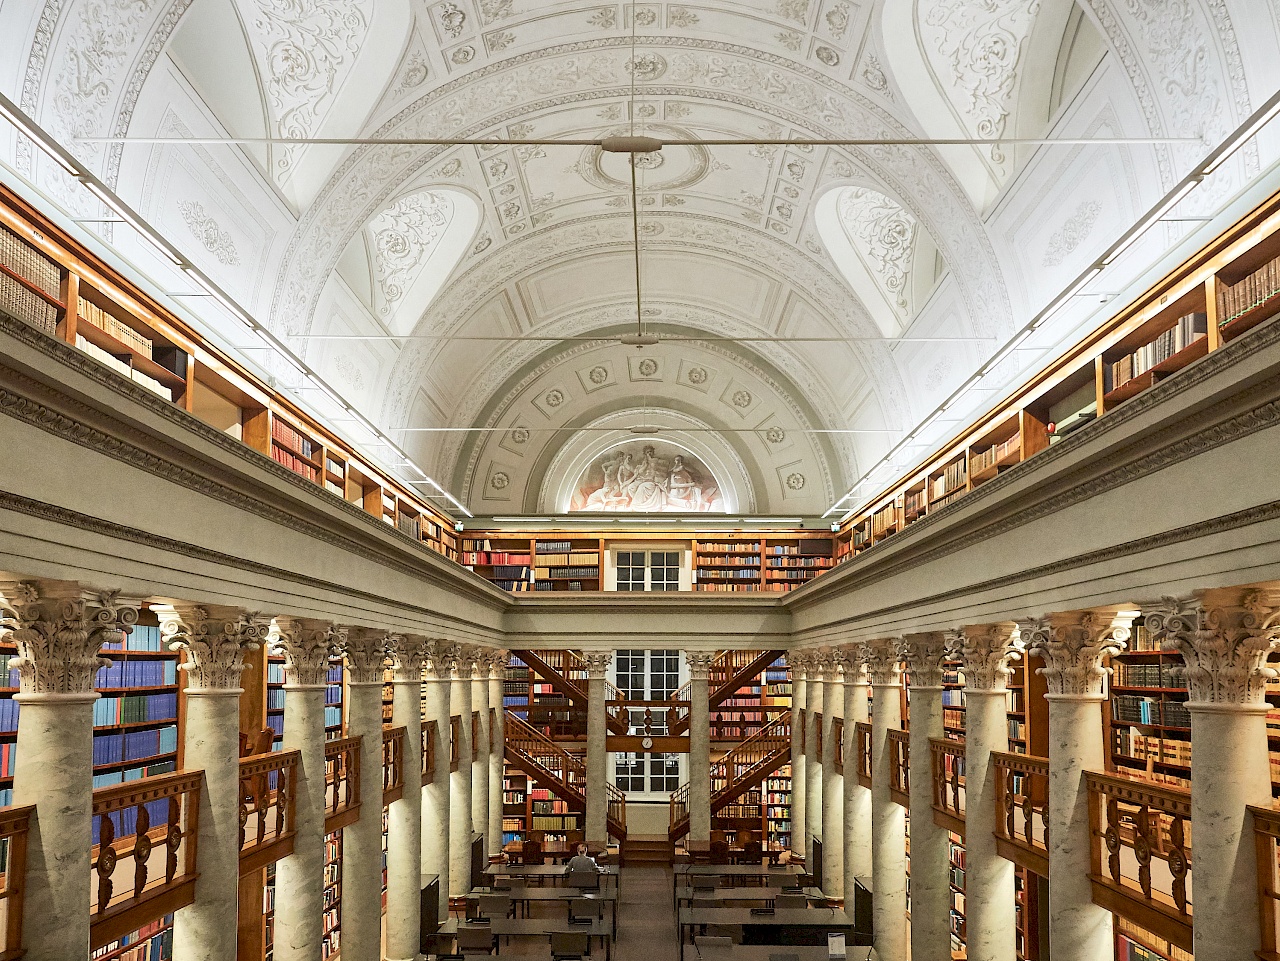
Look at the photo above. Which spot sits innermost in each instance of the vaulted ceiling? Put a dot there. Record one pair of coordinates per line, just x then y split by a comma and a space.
815, 301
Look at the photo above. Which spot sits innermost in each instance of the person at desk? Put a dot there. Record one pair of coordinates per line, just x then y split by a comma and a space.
581, 863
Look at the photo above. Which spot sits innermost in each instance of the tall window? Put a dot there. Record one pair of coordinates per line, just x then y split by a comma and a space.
648, 571
647, 676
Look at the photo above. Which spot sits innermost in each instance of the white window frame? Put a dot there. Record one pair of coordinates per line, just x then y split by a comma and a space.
682, 759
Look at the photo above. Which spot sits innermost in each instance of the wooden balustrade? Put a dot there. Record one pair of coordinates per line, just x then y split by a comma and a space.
429, 730
341, 783
862, 742
1022, 810
268, 793
392, 765
1140, 837
536, 748
678, 806
144, 855
455, 740
837, 735
745, 761
617, 805
900, 768
1266, 837
14, 824
946, 761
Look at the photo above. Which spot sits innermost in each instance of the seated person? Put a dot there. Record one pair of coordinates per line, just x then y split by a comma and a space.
581, 863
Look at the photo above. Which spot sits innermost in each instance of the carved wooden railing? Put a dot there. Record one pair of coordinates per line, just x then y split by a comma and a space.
144, 858
946, 761
1022, 810
341, 783
392, 765
14, 824
837, 735
616, 810
429, 729
862, 743
678, 806
268, 791
900, 768
1266, 837
1141, 851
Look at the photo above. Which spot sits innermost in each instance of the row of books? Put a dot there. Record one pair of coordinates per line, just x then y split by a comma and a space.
1131, 742
294, 463
28, 263
806, 548
729, 547
563, 573
914, 502
792, 574
8, 758
286, 435
553, 823
521, 586
554, 806
124, 823
884, 518
1141, 639
139, 638
333, 716
129, 709
151, 942
125, 775
731, 588
731, 573
93, 314
715, 562
131, 673
995, 453
1017, 729
496, 557
952, 476
1161, 673
953, 697
552, 546
133, 745
27, 306
1147, 710
1187, 330
123, 367
786, 562
275, 698
953, 718
567, 559
1259, 287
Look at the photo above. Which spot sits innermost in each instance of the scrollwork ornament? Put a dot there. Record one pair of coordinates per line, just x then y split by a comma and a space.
59, 628
986, 651
597, 664
851, 660
699, 664
493, 662
442, 655
923, 655
801, 663
366, 652
307, 645
884, 661
214, 640
465, 664
409, 655
1072, 647
1224, 640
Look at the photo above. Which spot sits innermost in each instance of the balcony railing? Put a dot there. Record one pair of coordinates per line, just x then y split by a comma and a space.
341, 783
14, 823
1266, 836
1022, 810
746, 761
678, 805
144, 855
900, 768
268, 791
392, 765
1141, 848
862, 742
946, 760
837, 735
428, 752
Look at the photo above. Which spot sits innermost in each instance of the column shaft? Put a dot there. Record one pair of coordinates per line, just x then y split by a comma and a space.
813, 769
299, 925
496, 677
435, 803
597, 833
989, 879
54, 771
404, 829
460, 787
206, 930
857, 799
930, 853
361, 912
799, 774
480, 752
889, 832
699, 759
832, 790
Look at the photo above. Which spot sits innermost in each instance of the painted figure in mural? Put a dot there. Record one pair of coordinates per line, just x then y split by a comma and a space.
647, 488
684, 493
648, 481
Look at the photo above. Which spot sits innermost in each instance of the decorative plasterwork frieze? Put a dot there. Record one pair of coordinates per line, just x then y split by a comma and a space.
307, 645
1072, 647
923, 654
214, 640
59, 628
1224, 638
986, 651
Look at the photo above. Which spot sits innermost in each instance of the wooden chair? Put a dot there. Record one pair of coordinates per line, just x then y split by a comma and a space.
720, 851
566, 945
531, 852
475, 937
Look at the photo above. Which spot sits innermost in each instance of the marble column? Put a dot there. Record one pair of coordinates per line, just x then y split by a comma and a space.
435, 803
699, 746
832, 782
214, 640
814, 718
361, 913
799, 662
299, 924
1072, 646
857, 799
1224, 637
58, 628
597, 833
986, 651
497, 665
480, 747
923, 655
404, 817
460, 780
888, 819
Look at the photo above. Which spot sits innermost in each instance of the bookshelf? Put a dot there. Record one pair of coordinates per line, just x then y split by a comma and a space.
567, 564
331, 940
275, 699
777, 807
515, 813
136, 717
151, 942
334, 719
732, 563
269, 914
956, 881
506, 561
791, 562
1148, 726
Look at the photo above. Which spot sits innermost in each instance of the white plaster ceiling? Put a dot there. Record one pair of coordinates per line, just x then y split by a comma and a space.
814, 271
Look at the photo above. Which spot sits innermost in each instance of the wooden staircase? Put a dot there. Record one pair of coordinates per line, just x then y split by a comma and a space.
728, 673
743, 768
558, 771
648, 849
566, 672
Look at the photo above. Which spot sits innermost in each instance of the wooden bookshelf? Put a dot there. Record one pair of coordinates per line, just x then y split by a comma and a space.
728, 563
562, 563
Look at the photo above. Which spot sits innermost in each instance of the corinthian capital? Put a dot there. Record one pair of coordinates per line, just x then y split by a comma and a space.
699, 664
597, 664
1072, 646
59, 628
307, 644
801, 663
851, 659
924, 655
366, 652
465, 665
409, 654
442, 655
495, 662
986, 651
214, 640
883, 661
1224, 638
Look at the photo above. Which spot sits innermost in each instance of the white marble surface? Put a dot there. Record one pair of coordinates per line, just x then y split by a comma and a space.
404, 830
435, 796
299, 925
799, 704
857, 799
989, 878
930, 857
888, 833
699, 760
812, 769
832, 787
460, 792
494, 833
597, 763
480, 752
361, 912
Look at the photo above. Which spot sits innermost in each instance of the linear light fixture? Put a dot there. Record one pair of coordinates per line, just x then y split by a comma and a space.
659, 142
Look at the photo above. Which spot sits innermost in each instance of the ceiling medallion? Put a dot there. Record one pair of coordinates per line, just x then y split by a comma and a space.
681, 166
795, 481
775, 435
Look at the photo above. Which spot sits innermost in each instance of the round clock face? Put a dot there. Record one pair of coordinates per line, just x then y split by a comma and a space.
647, 743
